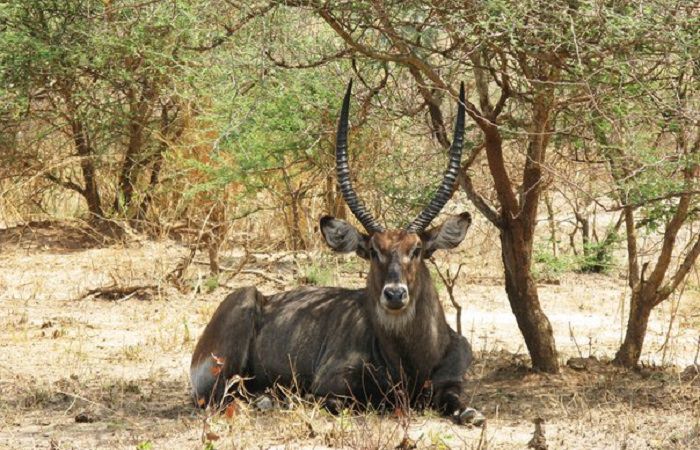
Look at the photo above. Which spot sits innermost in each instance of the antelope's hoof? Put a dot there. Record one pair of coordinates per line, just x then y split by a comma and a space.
469, 416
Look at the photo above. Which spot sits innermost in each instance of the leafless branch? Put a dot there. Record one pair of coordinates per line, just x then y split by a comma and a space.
480, 202
686, 265
68, 184
230, 30
319, 62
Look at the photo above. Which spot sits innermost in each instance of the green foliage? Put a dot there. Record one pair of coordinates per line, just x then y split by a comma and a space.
317, 273
279, 128
91, 78
352, 265
265, 128
597, 257
211, 284
548, 267
145, 445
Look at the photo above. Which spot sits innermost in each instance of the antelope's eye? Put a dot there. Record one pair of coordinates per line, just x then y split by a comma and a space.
416, 253
372, 253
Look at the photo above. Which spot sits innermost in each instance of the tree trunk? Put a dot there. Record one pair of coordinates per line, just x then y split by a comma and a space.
125, 188
139, 112
129, 172
298, 242
552, 225
585, 234
91, 191
214, 245
524, 301
631, 348
216, 236
152, 184
156, 159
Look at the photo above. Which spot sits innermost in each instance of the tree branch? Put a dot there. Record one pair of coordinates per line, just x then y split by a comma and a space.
324, 60
68, 184
632, 254
233, 29
685, 266
477, 200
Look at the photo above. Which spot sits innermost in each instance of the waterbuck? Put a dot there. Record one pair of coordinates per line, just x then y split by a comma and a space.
369, 345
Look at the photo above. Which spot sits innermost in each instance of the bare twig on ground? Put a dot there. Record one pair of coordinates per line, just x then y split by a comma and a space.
119, 293
232, 271
262, 274
175, 276
241, 264
573, 338
103, 406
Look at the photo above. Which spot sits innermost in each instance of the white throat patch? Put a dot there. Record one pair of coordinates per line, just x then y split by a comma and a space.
395, 321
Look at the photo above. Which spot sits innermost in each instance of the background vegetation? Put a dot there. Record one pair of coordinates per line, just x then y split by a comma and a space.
217, 118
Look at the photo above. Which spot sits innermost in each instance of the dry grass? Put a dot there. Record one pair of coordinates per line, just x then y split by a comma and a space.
80, 372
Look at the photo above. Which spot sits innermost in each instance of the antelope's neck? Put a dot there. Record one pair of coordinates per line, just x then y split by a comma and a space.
417, 339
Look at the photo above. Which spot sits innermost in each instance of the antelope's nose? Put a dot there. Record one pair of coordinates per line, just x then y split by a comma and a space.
395, 296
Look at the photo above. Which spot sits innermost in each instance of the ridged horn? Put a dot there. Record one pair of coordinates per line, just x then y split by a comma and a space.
343, 170
444, 192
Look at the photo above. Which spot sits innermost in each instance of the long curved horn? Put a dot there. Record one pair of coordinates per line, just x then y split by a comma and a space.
444, 192
343, 170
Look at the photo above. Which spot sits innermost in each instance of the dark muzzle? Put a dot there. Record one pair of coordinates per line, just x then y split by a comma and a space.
395, 296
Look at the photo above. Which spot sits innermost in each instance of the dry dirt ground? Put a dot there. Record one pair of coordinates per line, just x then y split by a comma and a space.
81, 371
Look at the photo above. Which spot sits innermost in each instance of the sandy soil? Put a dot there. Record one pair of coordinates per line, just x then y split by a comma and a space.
83, 372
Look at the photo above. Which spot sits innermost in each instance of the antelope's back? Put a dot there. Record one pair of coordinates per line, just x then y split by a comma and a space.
303, 329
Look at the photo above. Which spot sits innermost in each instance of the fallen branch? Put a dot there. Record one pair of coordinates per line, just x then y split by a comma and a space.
262, 274
120, 293
236, 270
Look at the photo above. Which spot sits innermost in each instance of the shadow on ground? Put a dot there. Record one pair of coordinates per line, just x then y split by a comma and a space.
509, 388
58, 236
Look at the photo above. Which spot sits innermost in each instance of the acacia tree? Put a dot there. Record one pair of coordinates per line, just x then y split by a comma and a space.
531, 65
645, 122
38, 63
522, 60
665, 208
93, 83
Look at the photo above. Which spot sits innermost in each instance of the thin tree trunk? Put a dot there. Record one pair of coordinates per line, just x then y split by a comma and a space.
552, 224
91, 191
524, 301
631, 349
128, 174
294, 223
585, 234
217, 235
214, 245
152, 184
140, 110
649, 292
298, 242
125, 187
517, 233
166, 135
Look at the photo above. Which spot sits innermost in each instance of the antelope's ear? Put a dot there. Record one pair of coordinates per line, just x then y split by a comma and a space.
446, 236
343, 237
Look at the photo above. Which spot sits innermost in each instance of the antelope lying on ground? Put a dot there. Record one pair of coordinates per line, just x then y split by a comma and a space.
362, 344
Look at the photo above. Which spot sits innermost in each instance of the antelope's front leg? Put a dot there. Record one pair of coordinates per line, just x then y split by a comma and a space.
448, 382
